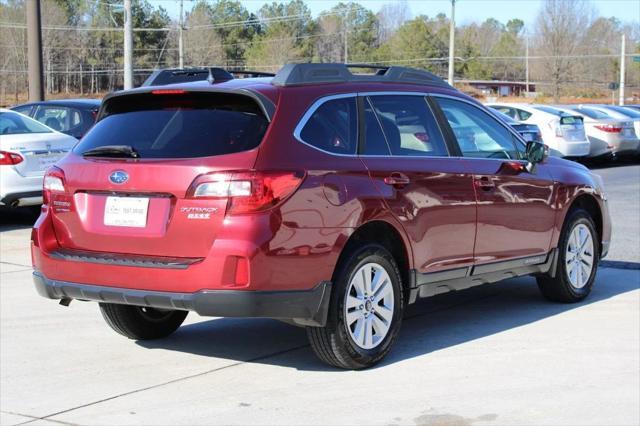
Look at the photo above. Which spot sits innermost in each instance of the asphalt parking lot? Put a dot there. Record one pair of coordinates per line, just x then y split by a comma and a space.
497, 354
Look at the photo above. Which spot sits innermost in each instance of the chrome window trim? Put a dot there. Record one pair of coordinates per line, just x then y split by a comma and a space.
320, 101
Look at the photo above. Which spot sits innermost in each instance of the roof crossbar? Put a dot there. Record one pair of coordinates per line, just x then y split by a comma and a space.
301, 74
249, 73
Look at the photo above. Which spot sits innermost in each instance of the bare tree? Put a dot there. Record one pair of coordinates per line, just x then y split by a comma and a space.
203, 46
561, 26
390, 17
329, 44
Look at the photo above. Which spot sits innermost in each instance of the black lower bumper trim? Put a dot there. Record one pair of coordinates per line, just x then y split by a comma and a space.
307, 307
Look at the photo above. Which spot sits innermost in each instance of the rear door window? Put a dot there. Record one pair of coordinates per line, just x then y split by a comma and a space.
333, 126
56, 117
24, 109
523, 115
179, 125
409, 127
509, 112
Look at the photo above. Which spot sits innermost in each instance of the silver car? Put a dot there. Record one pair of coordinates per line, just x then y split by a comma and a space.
27, 149
607, 135
622, 112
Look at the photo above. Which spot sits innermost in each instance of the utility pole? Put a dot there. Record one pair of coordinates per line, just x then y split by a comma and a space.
34, 46
180, 42
622, 71
345, 21
526, 65
452, 36
128, 46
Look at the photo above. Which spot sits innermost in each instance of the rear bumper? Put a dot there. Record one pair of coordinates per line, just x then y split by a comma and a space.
627, 146
16, 199
307, 307
15, 187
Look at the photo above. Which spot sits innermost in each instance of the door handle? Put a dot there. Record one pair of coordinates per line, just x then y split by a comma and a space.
397, 179
484, 183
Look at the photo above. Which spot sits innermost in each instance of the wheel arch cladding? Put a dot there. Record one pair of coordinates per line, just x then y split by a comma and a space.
589, 204
384, 234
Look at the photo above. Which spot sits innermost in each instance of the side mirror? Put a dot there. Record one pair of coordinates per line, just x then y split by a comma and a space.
537, 152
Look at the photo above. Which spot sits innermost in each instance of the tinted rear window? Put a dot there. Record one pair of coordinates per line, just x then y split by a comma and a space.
179, 125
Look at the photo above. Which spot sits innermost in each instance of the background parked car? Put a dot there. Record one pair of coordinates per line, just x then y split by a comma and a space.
563, 132
71, 116
621, 112
607, 134
530, 132
27, 149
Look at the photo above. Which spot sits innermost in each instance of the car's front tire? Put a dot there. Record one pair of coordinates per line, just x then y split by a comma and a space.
141, 323
577, 263
365, 312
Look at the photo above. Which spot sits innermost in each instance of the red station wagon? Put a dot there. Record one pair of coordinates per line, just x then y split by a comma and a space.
326, 198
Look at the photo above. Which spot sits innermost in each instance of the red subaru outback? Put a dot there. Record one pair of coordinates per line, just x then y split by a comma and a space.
321, 197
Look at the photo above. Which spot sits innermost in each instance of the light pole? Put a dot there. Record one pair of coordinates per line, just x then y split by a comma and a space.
452, 35
34, 46
128, 46
180, 42
622, 70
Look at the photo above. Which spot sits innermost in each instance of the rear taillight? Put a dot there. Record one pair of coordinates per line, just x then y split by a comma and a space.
53, 184
609, 128
246, 192
10, 158
555, 126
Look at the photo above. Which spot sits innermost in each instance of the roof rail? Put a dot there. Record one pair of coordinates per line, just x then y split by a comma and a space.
301, 74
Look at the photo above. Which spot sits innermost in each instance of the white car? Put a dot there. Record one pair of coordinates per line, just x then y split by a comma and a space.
623, 113
610, 133
27, 149
562, 132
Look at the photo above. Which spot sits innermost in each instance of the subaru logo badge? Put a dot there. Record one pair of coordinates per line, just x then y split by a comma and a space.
119, 177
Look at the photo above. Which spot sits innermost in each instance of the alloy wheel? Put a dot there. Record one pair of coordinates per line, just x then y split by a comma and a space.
579, 256
369, 306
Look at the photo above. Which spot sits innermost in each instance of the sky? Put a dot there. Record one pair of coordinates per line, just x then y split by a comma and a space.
467, 11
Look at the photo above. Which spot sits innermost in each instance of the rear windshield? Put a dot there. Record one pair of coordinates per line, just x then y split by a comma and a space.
13, 123
593, 113
179, 125
551, 110
624, 111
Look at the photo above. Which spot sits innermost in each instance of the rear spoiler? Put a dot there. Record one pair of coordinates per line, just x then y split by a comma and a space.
265, 104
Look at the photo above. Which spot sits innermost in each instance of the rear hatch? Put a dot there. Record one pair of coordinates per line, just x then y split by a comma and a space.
572, 128
129, 181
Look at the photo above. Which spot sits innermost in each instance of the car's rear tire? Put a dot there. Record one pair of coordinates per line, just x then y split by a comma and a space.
141, 323
365, 312
577, 263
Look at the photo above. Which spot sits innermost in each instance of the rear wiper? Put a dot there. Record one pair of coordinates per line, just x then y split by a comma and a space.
112, 151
